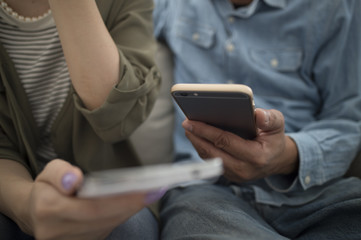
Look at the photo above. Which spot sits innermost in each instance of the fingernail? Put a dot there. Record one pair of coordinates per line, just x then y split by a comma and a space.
187, 126
68, 180
267, 117
155, 196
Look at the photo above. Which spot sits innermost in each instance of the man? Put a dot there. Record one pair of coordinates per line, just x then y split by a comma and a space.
301, 58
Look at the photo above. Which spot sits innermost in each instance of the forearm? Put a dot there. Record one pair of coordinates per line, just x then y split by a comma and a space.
13, 203
90, 52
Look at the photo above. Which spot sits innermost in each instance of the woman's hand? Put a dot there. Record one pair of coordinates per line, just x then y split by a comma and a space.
271, 152
55, 213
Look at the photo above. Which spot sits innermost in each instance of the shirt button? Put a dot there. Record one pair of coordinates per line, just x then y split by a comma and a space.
274, 62
231, 19
230, 47
195, 36
307, 180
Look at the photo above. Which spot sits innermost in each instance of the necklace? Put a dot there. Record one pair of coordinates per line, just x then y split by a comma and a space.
19, 17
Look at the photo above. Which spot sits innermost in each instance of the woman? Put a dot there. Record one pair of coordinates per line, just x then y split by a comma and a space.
77, 77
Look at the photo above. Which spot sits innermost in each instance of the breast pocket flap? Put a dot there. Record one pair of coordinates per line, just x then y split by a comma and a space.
201, 35
283, 60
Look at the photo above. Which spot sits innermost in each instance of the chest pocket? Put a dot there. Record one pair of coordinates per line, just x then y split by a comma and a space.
195, 33
283, 60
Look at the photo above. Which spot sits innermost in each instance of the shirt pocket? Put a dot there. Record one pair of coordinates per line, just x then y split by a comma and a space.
283, 60
201, 35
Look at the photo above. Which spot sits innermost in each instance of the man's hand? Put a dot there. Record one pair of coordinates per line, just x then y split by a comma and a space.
270, 153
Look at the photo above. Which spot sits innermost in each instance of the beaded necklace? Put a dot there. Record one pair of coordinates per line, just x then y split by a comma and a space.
19, 17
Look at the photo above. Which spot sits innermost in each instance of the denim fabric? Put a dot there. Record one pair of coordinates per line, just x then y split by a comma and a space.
302, 58
222, 212
142, 225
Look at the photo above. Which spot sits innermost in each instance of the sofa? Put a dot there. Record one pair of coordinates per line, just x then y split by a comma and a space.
153, 139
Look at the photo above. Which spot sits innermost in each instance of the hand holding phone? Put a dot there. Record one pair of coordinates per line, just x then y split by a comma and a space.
226, 106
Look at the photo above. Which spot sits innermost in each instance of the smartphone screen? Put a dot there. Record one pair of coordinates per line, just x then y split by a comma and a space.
228, 107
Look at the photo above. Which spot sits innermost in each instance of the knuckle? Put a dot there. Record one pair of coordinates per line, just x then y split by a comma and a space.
95, 210
222, 141
44, 207
53, 164
41, 208
260, 162
204, 153
243, 174
277, 118
246, 176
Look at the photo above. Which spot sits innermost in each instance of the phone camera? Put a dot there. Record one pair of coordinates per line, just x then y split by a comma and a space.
184, 94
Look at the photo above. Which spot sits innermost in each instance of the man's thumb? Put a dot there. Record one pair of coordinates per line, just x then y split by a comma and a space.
269, 120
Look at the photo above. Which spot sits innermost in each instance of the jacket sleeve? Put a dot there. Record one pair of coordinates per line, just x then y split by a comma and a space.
131, 100
12, 144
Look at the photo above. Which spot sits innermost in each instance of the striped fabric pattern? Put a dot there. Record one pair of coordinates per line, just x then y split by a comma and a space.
40, 63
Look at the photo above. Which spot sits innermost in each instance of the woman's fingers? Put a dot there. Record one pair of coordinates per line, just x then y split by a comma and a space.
65, 177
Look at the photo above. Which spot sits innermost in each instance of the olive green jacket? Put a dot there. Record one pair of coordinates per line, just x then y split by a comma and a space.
92, 140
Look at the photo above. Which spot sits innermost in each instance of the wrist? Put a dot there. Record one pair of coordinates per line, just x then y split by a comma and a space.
291, 160
22, 210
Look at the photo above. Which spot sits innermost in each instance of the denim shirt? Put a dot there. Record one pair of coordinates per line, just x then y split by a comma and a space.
302, 58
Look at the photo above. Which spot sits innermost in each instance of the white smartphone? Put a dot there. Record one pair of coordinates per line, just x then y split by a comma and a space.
147, 178
227, 106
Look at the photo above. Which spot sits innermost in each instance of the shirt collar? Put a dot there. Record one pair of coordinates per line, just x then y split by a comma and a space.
226, 9
276, 3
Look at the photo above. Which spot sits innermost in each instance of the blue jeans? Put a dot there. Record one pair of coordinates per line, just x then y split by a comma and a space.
143, 225
216, 212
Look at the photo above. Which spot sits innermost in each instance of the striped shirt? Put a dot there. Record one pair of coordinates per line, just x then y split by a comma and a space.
37, 54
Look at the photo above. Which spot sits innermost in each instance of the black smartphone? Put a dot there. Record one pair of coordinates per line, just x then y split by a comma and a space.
227, 106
